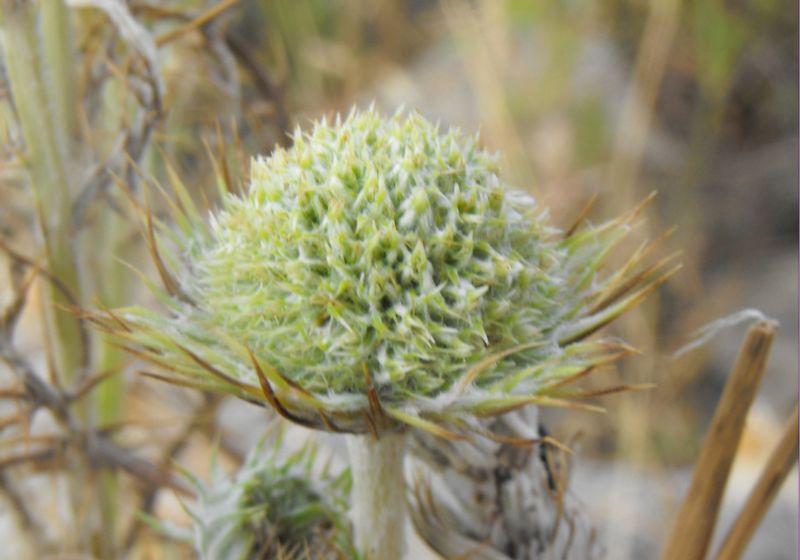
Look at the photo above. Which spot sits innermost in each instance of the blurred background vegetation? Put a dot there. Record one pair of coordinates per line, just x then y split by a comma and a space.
695, 100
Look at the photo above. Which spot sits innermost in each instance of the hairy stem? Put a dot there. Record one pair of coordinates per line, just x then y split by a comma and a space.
378, 498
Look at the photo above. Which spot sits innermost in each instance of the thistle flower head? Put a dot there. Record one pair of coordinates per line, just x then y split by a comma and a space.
378, 273
378, 244
273, 507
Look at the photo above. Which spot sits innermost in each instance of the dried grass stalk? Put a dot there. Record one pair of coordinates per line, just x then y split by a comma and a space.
697, 517
779, 464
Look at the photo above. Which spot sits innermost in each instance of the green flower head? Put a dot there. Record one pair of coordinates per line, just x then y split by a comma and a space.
380, 272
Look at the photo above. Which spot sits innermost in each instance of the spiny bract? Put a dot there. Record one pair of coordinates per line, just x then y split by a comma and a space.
380, 272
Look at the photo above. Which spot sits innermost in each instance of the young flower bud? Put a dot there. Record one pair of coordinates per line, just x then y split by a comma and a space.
273, 507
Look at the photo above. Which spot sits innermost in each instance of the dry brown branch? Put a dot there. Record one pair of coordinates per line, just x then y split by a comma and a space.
148, 90
57, 283
138, 37
99, 450
41, 393
129, 147
263, 83
196, 23
202, 417
25, 518
10, 315
697, 517
779, 465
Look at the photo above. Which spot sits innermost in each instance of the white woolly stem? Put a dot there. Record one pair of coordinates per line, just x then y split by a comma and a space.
379, 497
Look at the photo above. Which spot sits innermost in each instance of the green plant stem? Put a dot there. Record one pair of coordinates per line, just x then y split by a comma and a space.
45, 145
379, 495
111, 231
58, 53
37, 48
106, 239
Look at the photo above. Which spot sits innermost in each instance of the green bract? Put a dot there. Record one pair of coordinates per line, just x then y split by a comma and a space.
381, 272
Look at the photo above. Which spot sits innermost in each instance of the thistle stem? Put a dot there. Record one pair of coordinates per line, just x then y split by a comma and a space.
378, 496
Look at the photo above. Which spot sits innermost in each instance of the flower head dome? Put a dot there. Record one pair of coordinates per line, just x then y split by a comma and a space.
377, 273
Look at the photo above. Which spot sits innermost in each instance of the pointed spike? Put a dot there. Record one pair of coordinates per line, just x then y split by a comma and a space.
606, 391
269, 393
295, 385
126, 191
596, 366
114, 317
581, 216
638, 209
641, 253
166, 278
488, 361
550, 440
93, 381
638, 279
223, 186
370, 425
425, 425
223, 161
241, 153
512, 404
183, 199
506, 439
329, 425
175, 210
178, 381
147, 355
249, 389
162, 296
617, 309
549, 389
372, 396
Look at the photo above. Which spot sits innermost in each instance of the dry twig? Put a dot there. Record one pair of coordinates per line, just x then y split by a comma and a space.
697, 517
779, 465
